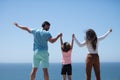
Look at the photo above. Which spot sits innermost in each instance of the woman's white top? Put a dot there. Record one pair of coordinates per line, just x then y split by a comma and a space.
89, 46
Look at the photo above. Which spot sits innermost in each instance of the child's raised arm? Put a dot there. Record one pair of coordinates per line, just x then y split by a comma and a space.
52, 40
22, 27
61, 41
79, 43
72, 41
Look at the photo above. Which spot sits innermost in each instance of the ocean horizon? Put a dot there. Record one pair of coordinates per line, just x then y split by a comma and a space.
21, 71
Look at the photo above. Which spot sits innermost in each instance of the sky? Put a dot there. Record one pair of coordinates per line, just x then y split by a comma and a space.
65, 16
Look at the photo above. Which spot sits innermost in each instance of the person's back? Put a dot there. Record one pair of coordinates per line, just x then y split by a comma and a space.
66, 57
40, 39
92, 59
40, 47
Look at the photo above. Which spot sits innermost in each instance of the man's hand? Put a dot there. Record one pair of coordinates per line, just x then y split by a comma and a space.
22, 27
16, 24
60, 35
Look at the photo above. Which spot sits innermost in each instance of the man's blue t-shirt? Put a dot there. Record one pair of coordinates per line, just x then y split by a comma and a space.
40, 39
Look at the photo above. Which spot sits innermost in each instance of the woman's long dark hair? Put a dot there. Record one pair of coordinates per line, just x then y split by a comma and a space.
91, 38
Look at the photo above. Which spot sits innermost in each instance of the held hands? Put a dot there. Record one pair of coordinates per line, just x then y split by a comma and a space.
60, 35
73, 36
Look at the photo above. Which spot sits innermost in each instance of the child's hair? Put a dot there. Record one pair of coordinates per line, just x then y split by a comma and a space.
66, 47
91, 38
45, 23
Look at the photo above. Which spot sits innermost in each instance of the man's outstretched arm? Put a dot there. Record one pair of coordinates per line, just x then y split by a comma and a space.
52, 40
22, 27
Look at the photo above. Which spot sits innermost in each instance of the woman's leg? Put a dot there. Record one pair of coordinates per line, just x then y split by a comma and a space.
88, 67
96, 66
33, 73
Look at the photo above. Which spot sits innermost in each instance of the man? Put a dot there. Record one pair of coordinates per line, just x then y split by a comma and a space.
40, 48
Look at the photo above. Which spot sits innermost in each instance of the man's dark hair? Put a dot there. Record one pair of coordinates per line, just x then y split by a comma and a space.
45, 23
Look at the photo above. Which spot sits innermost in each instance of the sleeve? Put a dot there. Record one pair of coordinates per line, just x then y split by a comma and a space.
80, 44
103, 36
32, 31
49, 36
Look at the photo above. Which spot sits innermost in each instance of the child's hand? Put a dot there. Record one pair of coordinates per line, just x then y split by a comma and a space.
73, 36
110, 30
60, 35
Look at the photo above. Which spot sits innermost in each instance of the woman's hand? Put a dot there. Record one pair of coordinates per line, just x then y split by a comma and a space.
110, 30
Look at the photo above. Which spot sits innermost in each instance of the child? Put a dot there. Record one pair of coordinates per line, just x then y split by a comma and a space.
92, 59
41, 38
66, 58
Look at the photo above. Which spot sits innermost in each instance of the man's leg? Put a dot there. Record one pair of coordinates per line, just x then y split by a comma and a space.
46, 75
33, 73
35, 65
45, 64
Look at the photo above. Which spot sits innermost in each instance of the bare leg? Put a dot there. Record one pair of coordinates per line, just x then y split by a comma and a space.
46, 75
69, 77
63, 77
33, 73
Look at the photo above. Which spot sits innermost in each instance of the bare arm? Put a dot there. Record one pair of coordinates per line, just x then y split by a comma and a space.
61, 41
22, 27
72, 41
52, 40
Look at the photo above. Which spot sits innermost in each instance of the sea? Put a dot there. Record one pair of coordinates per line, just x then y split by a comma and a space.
21, 71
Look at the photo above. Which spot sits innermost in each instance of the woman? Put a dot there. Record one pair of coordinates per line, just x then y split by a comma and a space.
92, 59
